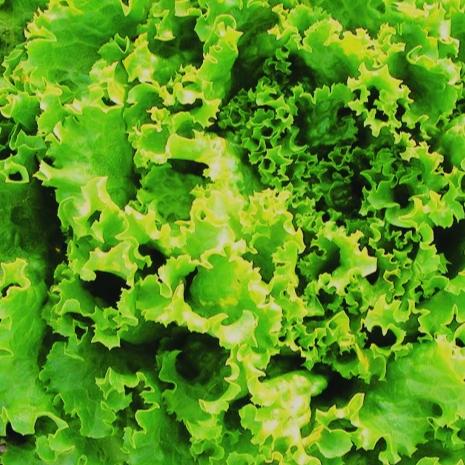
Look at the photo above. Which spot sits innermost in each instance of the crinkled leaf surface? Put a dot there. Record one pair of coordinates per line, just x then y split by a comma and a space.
232, 233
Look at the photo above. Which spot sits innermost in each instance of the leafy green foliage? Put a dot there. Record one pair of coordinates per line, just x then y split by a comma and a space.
232, 232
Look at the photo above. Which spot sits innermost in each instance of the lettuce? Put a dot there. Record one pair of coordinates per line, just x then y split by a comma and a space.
232, 232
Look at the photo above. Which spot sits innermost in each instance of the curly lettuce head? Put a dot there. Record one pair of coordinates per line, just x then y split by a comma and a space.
232, 233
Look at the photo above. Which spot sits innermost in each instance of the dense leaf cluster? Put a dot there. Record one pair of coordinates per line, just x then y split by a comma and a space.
232, 232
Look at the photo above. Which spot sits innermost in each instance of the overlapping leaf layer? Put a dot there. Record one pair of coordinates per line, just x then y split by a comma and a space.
232, 232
